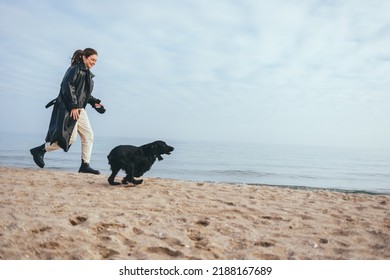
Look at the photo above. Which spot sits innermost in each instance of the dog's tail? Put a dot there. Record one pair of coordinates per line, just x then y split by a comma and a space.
109, 157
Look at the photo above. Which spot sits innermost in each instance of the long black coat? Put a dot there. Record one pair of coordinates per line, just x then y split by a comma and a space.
75, 92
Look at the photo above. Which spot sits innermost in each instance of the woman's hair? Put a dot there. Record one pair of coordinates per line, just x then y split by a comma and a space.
78, 55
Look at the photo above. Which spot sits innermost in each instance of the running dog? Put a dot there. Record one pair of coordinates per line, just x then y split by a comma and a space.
135, 161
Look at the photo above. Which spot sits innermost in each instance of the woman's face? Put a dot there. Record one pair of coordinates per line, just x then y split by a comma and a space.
90, 61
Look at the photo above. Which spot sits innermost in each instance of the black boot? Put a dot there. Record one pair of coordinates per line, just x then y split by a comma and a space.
38, 153
85, 168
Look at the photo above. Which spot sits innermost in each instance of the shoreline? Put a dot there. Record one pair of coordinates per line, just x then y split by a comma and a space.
297, 187
48, 214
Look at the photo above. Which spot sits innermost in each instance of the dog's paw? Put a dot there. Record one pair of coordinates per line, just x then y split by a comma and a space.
113, 183
137, 182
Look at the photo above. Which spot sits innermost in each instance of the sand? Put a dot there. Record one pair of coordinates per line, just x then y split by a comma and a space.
46, 214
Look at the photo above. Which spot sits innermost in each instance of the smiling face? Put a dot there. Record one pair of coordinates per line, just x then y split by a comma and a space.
90, 61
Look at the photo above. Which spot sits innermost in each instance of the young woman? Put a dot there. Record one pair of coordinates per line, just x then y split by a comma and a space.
69, 116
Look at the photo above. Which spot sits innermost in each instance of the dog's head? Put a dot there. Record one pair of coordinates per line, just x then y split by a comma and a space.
159, 148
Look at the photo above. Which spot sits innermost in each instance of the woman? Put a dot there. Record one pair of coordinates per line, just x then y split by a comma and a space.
69, 116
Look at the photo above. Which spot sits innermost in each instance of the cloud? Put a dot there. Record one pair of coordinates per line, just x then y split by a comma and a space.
276, 71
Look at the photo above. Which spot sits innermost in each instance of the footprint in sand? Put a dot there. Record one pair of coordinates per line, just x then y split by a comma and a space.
194, 235
203, 222
273, 218
264, 244
40, 230
200, 241
77, 220
50, 245
106, 253
137, 231
324, 241
165, 251
103, 228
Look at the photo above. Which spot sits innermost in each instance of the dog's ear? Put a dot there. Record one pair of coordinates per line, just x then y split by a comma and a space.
151, 149
154, 150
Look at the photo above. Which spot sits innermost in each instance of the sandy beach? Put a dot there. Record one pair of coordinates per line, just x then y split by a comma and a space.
46, 214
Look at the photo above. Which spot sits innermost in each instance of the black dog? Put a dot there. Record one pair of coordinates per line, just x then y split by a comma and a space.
135, 161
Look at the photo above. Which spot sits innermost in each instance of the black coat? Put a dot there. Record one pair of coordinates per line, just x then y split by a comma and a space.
75, 92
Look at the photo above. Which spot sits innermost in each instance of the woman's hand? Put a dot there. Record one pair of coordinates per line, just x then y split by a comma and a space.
99, 108
75, 113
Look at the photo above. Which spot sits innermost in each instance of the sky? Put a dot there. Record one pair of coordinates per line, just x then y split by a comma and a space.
284, 71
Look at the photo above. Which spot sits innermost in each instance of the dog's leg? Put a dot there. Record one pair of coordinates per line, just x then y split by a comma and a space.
137, 182
125, 180
130, 177
129, 174
111, 179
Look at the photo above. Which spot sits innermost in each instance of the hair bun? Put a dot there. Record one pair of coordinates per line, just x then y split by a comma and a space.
77, 57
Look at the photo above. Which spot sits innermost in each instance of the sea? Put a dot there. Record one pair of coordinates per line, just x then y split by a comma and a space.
345, 169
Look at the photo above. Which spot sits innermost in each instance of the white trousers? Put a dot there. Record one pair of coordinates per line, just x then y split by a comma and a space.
82, 127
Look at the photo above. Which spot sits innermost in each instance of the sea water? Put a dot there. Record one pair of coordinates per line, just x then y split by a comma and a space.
347, 169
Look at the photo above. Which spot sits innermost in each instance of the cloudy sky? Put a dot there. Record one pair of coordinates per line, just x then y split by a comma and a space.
292, 72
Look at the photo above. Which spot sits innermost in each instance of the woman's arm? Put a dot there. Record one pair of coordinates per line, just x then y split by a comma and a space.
68, 88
